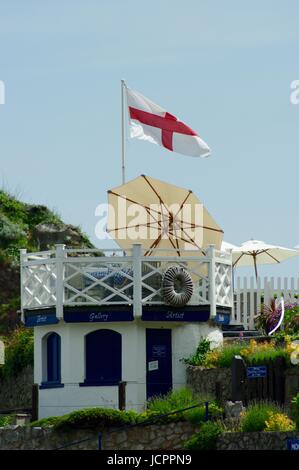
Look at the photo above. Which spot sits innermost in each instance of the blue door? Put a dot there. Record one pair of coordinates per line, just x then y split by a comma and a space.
53, 358
103, 358
158, 362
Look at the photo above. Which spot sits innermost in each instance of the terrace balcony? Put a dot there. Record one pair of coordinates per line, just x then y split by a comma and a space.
65, 280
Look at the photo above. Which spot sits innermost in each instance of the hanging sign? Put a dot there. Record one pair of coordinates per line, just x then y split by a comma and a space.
256, 371
153, 365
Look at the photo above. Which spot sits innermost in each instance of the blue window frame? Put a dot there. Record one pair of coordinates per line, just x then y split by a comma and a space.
53, 362
102, 358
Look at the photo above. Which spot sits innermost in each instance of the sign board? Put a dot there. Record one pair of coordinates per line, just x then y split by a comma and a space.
2, 353
164, 313
153, 365
293, 444
159, 350
40, 318
256, 371
222, 318
98, 315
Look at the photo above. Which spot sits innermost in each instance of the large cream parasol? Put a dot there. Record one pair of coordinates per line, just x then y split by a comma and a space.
160, 216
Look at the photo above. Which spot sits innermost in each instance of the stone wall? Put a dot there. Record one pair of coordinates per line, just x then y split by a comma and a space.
15, 392
291, 384
152, 437
255, 440
203, 381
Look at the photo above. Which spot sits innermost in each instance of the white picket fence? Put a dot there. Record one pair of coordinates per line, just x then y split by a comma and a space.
249, 294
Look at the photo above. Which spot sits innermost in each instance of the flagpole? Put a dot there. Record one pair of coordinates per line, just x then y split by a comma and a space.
123, 141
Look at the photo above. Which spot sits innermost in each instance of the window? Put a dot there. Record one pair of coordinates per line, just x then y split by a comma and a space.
52, 361
102, 358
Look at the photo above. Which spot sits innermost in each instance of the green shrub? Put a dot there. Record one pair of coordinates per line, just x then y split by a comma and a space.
46, 422
179, 399
295, 409
6, 420
89, 418
9, 317
11, 234
174, 400
18, 351
198, 358
255, 417
291, 319
206, 438
227, 354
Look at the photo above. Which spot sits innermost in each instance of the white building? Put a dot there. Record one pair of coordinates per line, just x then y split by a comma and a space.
104, 332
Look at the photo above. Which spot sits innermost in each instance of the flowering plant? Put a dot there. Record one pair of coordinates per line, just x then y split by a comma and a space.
279, 422
270, 316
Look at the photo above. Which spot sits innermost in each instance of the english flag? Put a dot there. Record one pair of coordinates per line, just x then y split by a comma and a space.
148, 121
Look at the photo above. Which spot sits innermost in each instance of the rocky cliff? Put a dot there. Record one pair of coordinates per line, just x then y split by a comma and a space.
35, 228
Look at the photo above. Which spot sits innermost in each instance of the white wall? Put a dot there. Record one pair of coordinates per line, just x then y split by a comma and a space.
185, 339
58, 401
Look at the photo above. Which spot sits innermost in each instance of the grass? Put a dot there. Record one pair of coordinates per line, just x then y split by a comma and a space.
255, 417
206, 438
183, 398
252, 353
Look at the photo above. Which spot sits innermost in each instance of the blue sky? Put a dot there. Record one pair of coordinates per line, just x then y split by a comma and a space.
225, 68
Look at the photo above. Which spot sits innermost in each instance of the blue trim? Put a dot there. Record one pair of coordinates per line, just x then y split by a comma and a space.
40, 317
222, 318
45, 385
97, 384
167, 313
105, 314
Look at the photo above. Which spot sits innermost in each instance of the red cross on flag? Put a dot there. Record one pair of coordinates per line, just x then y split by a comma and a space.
148, 121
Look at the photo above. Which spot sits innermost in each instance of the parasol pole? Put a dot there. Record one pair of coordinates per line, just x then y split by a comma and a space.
123, 142
255, 266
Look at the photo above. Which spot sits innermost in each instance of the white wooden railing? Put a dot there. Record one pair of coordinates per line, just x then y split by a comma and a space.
249, 294
68, 277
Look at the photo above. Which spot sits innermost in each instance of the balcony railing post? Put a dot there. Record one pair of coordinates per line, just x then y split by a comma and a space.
212, 280
23, 253
137, 283
59, 255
